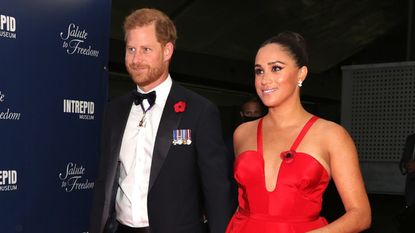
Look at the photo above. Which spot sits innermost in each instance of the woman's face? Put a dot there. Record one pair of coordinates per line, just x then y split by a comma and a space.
277, 75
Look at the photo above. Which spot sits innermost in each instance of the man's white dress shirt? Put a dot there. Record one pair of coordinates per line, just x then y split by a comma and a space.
135, 157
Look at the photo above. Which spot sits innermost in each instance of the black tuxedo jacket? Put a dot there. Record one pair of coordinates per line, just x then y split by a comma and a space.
187, 182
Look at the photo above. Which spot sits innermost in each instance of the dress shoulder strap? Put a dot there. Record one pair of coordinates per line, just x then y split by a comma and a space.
303, 132
259, 136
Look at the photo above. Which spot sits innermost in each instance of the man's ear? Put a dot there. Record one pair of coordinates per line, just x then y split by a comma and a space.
168, 51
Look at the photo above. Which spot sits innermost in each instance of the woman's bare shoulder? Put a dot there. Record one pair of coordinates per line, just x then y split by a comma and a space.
332, 134
329, 128
247, 129
244, 136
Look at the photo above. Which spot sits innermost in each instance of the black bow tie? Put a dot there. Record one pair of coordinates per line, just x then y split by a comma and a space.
139, 97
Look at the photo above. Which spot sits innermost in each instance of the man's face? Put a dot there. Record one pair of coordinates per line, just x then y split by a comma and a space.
251, 109
146, 59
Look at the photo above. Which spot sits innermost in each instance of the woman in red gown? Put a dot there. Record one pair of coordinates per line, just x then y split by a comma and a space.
286, 159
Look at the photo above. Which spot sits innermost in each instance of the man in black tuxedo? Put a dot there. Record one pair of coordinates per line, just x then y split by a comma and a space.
407, 166
164, 166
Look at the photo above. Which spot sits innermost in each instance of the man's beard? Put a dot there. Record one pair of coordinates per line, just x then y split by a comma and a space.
146, 78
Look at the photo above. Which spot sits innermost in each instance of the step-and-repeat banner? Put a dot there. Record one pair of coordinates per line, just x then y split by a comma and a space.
53, 88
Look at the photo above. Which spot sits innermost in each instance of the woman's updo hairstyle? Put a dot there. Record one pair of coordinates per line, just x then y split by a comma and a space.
293, 43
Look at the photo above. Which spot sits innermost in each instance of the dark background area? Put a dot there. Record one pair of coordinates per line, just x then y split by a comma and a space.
218, 39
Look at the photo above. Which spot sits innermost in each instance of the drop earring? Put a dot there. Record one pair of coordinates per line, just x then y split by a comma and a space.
300, 83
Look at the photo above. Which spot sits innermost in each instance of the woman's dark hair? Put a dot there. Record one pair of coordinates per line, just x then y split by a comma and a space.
293, 43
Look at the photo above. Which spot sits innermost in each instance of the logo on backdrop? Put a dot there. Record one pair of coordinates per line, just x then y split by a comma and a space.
74, 41
8, 180
7, 114
85, 109
7, 26
72, 179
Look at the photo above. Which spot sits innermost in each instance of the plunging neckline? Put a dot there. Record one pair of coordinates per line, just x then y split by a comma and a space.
294, 204
292, 149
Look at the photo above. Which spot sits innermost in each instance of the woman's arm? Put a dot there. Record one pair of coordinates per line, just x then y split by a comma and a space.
345, 171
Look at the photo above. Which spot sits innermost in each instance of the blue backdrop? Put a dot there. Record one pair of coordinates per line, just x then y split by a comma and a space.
53, 87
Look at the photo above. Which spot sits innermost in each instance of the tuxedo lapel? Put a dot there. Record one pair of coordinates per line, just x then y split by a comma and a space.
119, 121
122, 113
169, 121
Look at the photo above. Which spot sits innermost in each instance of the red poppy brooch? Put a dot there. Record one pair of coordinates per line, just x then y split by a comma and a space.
180, 106
287, 156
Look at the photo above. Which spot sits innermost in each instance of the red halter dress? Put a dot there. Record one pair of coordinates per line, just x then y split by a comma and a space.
293, 206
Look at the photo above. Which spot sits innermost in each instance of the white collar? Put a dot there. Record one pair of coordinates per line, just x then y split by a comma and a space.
162, 91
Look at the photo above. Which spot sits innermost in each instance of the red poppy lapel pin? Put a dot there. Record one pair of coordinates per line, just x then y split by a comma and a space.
287, 156
180, 106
